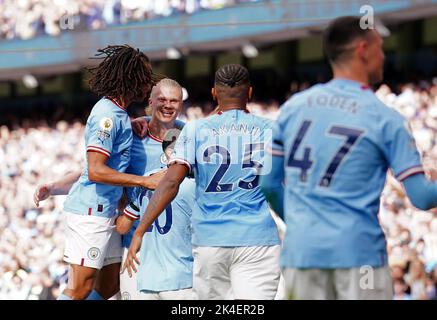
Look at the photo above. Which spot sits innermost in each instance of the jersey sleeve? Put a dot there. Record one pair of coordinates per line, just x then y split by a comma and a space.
102, 133
400, 148
276, 147
184, 151
133, 208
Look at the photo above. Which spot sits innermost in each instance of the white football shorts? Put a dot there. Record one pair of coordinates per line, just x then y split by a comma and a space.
183, 294
365, 283
91, 241
249, 273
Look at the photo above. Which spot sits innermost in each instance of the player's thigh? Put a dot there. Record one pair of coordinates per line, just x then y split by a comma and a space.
108, 280
364, 283
183, 294
255, 272
81, 277
211, 278
88, 239
128, 285
309, 284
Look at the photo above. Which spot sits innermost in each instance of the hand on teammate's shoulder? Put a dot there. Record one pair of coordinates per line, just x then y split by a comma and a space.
152, 181
140, 127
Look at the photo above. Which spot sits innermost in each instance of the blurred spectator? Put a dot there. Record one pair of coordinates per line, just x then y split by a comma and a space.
411, 233
400, 290
31, 238
25, 19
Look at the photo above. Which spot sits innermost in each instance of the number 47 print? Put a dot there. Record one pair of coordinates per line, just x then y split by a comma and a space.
305, 163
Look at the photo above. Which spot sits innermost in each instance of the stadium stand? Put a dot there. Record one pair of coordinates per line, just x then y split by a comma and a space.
29, 18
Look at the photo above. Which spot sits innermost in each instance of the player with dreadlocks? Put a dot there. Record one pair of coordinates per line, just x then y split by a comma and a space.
235, 240
93, 248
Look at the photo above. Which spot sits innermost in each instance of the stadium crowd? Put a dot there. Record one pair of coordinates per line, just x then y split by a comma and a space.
25, 19
31, 238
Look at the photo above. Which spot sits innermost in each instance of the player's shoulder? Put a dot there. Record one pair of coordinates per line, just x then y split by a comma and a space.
201, 123
103, 108
262, 121
301, 97
387, 113
103, 104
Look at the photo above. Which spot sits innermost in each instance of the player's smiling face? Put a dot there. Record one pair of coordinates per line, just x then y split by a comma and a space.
166, 103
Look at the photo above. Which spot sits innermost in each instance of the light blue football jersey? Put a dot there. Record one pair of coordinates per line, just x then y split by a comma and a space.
225, 151
166, 261
338, 141
108, 131
146, 156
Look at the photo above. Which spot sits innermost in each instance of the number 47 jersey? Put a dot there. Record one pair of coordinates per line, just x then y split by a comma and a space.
338, 140
226, 151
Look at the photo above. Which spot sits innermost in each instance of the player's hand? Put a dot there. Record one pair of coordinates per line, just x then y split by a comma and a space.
140, 126
41, 193
131, 258
152, 181
431, 173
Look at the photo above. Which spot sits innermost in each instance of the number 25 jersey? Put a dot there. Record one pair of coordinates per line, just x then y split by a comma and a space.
226, 151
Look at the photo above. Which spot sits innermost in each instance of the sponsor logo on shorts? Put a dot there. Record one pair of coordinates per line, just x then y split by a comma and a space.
93, 253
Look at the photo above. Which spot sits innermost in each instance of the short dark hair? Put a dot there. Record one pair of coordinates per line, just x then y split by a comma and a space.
125, 73
339, 34
232, 75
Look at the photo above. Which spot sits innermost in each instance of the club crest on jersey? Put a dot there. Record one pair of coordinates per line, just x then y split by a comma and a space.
106, 124
93, 253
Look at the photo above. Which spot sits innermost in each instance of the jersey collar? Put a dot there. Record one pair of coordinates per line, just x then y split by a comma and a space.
116, 103
153, 137
221, 112
342, 82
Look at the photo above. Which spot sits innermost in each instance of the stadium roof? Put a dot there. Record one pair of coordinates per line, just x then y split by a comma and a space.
259, 23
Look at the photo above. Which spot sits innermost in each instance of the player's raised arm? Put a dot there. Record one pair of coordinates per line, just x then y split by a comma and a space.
164, 194
404, 159
59, 187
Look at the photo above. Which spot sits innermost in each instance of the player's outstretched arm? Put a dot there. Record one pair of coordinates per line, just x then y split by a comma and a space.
421, 191
162, 197
99, 172
271, 183
59, 187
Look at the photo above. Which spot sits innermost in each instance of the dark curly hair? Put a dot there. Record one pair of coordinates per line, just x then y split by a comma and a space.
125, 73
